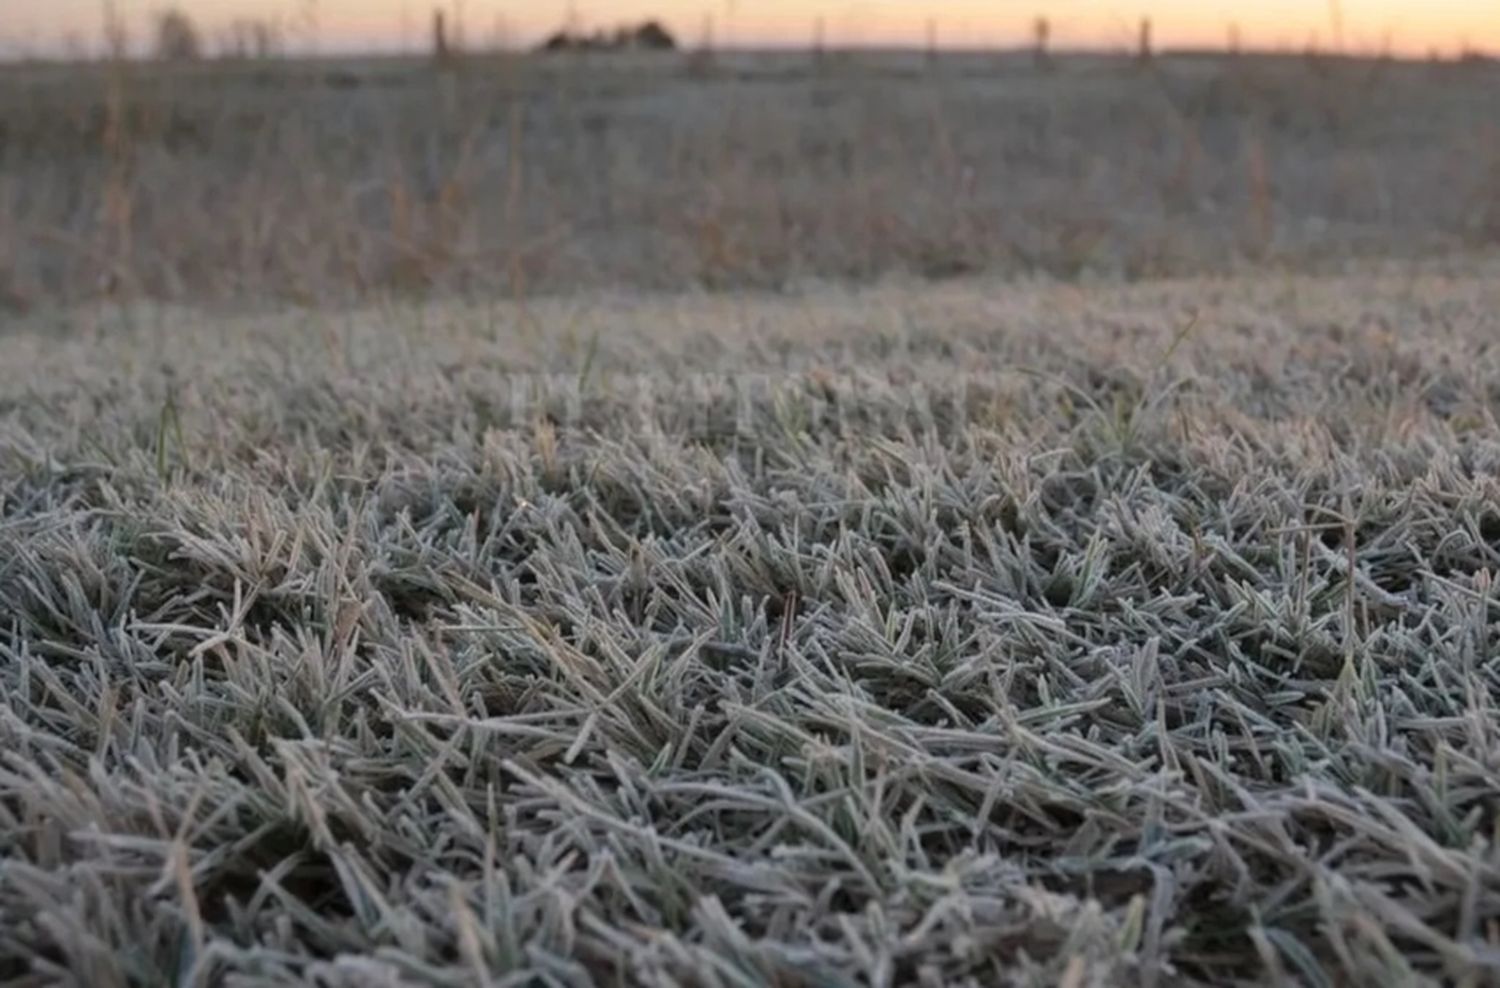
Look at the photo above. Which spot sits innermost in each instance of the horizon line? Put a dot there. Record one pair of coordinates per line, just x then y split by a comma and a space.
293, 39
398, 50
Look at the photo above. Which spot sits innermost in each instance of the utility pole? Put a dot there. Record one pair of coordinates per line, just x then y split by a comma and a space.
1336, 20
700, 61
441, 53
1041, 32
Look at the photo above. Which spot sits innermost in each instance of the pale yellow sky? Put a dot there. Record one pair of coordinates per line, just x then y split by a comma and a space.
1414, 26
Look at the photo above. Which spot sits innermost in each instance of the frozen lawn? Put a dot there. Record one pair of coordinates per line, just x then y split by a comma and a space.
972, 633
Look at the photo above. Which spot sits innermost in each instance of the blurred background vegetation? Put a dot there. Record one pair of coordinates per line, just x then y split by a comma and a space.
224, 169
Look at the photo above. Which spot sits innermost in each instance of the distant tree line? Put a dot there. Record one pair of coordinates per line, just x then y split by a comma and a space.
176, 37
647, 36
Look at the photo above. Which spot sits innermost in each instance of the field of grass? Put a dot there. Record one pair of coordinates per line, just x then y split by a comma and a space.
318, 182
987, 632
760, 521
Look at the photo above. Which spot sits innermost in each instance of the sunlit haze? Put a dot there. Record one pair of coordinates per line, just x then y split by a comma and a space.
1408, 26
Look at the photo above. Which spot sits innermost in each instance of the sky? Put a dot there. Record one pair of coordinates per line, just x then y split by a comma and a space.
1413, 26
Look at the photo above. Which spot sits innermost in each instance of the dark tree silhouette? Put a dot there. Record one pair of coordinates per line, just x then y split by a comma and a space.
647, 36
177, 38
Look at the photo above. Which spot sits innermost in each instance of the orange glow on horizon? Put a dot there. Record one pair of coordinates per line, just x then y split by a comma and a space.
1356, 26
